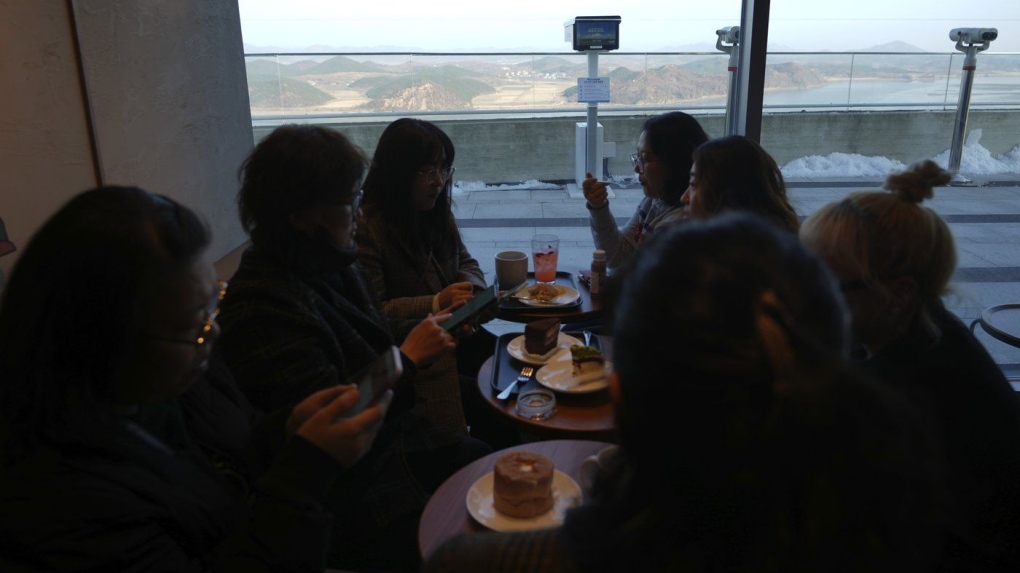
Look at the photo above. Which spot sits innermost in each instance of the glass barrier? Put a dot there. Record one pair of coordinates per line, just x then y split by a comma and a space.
357, 84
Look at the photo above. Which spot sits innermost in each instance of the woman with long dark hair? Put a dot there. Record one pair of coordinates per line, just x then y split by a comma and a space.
412, 251
734, 173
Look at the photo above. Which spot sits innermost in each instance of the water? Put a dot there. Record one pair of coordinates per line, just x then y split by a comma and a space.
988, 90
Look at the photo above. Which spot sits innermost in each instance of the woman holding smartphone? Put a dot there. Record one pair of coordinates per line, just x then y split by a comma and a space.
412, 251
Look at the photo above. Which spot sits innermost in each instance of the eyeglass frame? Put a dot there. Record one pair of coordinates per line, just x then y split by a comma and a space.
640, 162
430, 174
356, 202
207, 323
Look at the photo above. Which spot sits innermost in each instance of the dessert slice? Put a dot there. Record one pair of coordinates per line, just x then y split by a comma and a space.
541, 336
522, 484
587, 360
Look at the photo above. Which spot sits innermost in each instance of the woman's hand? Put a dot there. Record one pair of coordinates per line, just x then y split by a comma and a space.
453, 294
428, 341
595, 191
319, 419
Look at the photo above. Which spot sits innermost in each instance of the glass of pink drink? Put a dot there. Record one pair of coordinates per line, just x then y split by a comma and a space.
545, 250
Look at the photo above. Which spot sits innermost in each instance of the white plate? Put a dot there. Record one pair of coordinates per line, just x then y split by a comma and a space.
558, 375
566, 494
515, 348
566, 296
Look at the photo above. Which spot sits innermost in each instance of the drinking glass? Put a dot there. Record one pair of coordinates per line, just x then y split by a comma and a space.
545, 251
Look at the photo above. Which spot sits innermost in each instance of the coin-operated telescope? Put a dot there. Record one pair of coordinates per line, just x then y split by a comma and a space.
729, 41
970, 41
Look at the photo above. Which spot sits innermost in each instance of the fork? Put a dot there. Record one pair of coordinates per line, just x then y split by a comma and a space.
525, 375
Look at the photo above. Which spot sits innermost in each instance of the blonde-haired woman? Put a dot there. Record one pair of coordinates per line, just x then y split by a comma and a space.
894, 259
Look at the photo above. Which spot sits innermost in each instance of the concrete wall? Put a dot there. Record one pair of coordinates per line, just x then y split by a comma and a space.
504, 150
167, 87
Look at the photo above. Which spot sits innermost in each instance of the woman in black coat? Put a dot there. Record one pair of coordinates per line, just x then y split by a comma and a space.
894, 259
123, 444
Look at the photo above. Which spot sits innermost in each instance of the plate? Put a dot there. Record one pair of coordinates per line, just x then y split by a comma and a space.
515, 348
564, 296
566, 494
558, 375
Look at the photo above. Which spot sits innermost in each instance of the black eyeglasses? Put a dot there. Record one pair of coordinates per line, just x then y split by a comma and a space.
211, 312
430, 174
640, 162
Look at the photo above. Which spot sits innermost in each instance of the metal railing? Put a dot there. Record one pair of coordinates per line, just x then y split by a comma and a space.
363, 85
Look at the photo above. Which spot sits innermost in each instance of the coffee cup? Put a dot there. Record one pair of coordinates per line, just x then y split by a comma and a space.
595, 467
511, 269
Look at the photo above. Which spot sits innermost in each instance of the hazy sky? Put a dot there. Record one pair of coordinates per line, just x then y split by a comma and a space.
647, 25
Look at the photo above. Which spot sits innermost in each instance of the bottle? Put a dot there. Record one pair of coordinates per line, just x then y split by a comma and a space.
598, 272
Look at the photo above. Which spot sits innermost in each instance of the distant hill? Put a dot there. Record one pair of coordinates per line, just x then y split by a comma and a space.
340, 64
666, 84
272, 67
265, 67
672, 83
267, 91
895, 46
554, 64
792, 75
448, 87
422, 96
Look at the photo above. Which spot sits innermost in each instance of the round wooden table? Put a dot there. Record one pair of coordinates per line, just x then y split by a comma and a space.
446, 513
578, 416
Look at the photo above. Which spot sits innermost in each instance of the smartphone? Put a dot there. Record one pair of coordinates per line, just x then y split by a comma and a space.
374, 380
472, 308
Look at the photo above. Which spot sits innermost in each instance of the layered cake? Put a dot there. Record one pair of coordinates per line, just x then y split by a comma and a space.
522, 484
587, 360
541, 336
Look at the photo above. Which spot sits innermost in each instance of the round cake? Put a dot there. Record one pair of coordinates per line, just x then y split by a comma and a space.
522, 484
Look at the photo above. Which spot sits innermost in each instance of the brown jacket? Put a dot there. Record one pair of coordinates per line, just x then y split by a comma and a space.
406, 278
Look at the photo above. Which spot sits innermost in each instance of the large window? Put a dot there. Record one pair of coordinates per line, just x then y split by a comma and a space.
848, 98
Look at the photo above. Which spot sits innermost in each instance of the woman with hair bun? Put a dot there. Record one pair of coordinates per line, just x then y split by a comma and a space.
894, 259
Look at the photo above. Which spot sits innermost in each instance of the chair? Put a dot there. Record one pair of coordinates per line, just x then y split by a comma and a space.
1001, 322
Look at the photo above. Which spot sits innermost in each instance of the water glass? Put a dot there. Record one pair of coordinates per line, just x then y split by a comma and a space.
545, 250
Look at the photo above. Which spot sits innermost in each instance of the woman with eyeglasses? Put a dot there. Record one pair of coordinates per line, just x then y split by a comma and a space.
301, 315
663, 164
124, 444
412, 251
894, 259
746, 444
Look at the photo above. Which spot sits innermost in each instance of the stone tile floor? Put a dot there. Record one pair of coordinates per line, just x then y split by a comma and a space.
985, 221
